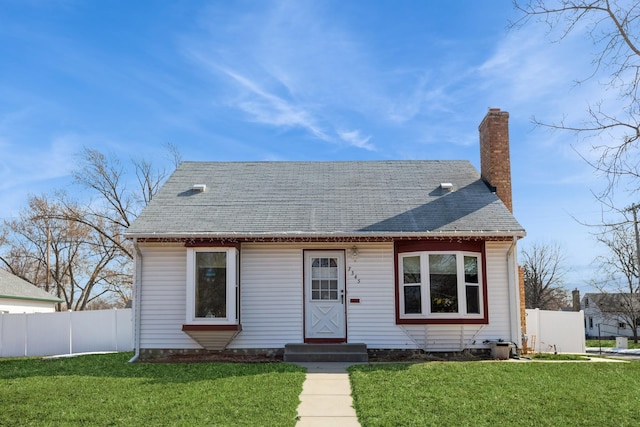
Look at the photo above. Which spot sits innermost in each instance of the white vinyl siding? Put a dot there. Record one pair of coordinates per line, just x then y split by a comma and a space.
11, 305
163, 300
498, 292
272, 306
373, 319
271, 296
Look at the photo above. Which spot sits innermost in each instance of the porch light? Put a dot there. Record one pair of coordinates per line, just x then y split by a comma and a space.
354, 253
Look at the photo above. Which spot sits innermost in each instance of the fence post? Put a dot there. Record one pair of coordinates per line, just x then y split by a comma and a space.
70, 332
115, 326
26, 338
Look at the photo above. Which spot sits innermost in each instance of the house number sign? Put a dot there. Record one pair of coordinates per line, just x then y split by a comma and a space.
353, 275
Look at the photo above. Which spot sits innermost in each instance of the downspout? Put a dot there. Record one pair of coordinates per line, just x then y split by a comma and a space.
137, 291
514, 295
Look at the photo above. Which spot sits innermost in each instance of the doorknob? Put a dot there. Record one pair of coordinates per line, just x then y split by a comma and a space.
341, 296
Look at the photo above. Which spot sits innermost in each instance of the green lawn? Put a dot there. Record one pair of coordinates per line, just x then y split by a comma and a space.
609, 343
105, 390
497, 393
561, 356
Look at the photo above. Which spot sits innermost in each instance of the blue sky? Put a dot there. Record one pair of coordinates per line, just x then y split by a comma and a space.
296, 80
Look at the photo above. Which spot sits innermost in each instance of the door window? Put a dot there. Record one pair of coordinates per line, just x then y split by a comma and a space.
324, 279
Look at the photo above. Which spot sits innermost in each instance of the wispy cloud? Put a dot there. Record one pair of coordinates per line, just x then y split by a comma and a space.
26, 169
267, 108
355, 139
297, 71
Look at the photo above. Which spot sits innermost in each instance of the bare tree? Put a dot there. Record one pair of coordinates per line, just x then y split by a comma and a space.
614, 28
543, 265
78, 250
618, 278
63, 257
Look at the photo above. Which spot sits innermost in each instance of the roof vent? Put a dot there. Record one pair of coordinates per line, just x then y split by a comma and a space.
447, 187
200, 188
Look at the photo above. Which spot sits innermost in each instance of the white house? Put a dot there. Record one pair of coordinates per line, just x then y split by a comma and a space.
610, 314
390, 254
19, 296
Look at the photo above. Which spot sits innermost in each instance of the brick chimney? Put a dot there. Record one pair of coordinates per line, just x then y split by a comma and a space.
495, 166
575, 299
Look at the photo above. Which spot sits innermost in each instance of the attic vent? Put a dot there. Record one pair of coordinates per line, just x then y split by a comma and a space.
446, 186
200, 188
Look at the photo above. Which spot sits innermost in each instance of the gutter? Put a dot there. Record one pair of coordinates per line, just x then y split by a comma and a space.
337, 234
55, 300
137, 291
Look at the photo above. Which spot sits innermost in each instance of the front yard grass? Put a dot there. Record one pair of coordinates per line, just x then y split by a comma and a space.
561, 356
106, 390
497, 393
610, 343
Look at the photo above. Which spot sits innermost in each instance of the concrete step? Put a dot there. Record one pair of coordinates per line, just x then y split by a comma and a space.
326, 353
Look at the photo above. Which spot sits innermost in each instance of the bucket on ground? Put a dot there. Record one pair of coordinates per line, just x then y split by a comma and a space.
500, 350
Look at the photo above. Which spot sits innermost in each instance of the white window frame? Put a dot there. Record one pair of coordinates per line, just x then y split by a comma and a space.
425, 288
231, 309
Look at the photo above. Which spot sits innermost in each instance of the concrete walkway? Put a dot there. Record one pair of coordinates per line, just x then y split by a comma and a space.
326, 396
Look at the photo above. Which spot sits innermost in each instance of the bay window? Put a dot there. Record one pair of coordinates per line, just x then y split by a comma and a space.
211, 286
440, 285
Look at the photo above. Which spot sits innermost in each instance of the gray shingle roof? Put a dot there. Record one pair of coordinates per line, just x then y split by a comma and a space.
325, 198
11, 286
612, 301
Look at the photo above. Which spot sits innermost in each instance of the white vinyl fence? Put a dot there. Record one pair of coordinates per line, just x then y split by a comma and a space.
555, 331
43, 334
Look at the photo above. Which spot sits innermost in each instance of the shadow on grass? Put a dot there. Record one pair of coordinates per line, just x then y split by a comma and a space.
117, 366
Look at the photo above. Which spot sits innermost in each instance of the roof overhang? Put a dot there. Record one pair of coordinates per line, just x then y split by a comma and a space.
333, 236
17, 297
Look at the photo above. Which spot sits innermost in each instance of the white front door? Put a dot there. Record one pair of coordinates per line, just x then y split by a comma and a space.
324, 296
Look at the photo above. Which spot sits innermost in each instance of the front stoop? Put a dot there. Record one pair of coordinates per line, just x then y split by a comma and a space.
326, 353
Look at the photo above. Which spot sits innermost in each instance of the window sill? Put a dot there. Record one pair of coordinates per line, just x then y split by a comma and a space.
211, 327
444, 321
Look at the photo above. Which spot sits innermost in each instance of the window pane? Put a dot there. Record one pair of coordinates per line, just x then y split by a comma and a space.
211, 284
473, 299
443, 282
412, 300
324, 268
411, 269
324, 283
471, 269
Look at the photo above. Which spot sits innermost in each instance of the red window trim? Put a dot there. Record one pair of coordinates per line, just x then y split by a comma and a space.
440, 246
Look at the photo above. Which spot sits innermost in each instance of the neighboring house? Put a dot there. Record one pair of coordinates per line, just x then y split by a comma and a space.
393, 254
19, 296
610, 314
